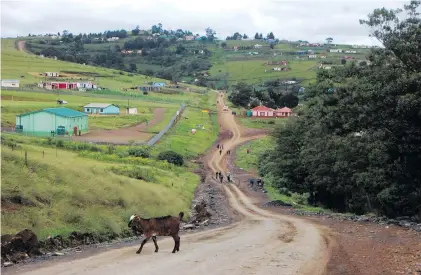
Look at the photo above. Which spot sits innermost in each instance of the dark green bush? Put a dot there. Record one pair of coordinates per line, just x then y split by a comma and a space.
139, 152
171, 157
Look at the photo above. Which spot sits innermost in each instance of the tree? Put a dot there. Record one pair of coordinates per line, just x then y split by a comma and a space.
288, 100
270, 36
133, 67
329, 40
245, 36
210, 34
223, 44
136, 30
256, 36
241, 94
358, 149
261, 36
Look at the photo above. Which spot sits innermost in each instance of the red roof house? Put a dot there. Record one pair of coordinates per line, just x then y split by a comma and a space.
284, 112
262, 111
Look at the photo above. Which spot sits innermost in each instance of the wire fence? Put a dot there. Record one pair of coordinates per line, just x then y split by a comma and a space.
170, 124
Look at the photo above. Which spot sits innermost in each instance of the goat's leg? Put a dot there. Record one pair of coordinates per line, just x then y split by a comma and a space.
175, 243
178, 243
155, 243
141, 246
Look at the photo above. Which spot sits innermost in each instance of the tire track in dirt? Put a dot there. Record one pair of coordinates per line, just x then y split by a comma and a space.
292, 227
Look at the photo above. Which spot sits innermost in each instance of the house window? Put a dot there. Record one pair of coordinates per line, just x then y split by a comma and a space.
87, 109
102, 110
262, 113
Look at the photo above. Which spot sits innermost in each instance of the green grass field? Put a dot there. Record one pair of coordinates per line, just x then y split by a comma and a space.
60, 191
253, 71
14, 103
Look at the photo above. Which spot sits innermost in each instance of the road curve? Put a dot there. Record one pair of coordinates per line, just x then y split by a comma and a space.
262, 243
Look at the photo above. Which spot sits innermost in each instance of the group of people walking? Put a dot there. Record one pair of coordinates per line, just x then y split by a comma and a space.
219, 175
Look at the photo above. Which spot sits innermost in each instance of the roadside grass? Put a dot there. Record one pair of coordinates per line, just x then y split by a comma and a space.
269, 123
249, 162
180, 138
59, 191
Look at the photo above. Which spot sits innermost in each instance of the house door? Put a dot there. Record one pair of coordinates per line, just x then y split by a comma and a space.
262, 114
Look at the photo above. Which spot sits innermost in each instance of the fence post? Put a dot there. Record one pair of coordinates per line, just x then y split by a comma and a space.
26, 158
43, 153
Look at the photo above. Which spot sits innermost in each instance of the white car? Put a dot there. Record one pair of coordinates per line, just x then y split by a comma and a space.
225, 108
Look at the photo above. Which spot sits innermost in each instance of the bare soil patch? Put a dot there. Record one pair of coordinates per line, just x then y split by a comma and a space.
124, 135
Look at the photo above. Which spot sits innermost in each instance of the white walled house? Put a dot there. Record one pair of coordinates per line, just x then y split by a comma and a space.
335, 50
10, 83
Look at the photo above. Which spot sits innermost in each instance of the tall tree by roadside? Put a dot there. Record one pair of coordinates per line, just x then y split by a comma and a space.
356, 146
256, 36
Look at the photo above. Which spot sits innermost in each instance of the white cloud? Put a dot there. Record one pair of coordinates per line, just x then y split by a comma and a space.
309, 20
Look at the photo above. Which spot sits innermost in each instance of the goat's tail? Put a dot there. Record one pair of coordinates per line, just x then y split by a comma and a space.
181, 215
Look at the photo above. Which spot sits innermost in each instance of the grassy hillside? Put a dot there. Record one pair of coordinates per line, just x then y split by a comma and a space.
61, 191
69, 186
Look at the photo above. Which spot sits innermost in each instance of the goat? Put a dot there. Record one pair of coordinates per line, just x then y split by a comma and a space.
159, 226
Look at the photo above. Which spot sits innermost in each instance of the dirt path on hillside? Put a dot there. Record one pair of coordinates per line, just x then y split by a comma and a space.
260, 243
125, 135
21, 46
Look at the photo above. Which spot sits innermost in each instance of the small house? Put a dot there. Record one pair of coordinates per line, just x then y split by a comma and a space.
58, 85
335, 50
51, 74
101, 109
350, 51
284, 112
158, 84
10, 83
312, 56
262, 111
131, 111
51, 121
257, 46
86, 85
189, 37
322, 56
112, 39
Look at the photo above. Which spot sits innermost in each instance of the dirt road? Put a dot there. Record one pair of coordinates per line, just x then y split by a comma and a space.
261, 243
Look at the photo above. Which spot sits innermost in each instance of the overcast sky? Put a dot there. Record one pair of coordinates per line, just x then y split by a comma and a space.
310, 20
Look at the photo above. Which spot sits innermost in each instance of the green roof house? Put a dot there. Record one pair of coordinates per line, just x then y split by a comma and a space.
52, 121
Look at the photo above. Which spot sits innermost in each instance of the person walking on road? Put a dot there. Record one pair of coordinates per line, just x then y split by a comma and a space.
229, 177
221, 177
216, 175
220, 151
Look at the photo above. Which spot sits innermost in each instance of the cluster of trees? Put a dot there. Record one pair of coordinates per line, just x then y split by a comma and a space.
237, 36
117, 33
272, 94
357, 145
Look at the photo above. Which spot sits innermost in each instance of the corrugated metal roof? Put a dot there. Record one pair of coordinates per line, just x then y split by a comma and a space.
64, 112
262, 108
10, 80
97, 105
